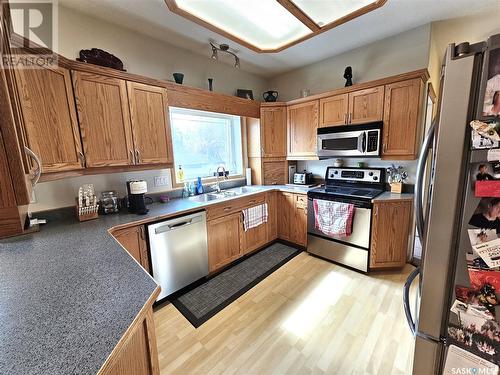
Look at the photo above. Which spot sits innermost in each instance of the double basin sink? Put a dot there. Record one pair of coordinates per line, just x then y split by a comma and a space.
208, 197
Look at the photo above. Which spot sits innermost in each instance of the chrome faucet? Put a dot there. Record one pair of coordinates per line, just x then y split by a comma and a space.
216, 186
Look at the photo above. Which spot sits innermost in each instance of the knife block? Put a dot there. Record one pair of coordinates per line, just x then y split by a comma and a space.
397, 187
87, 213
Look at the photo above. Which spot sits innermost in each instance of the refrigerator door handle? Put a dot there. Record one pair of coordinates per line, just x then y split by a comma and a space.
419, 179
406, 300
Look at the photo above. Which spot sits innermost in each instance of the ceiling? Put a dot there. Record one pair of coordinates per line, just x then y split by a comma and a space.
152, 18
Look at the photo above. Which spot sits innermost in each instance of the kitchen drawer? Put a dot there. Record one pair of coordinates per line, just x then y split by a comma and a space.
234, 205
300, 200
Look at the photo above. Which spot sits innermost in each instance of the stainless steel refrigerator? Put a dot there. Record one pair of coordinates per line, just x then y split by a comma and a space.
442, 217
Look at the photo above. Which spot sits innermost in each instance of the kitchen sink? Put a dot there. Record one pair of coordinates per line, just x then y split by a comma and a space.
208, 197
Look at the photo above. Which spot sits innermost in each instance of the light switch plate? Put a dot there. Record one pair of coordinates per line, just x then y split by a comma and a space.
160, 181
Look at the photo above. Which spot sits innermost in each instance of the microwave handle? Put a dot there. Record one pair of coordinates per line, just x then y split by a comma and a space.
363, 142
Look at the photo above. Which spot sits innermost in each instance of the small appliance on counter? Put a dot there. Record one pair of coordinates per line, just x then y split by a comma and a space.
303, 178
136, 190
291, 173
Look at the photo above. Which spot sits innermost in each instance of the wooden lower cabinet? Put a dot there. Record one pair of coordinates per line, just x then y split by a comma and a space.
223, 240
133, 239
137, 351
390, 233
272, 210
292, 218
253, 238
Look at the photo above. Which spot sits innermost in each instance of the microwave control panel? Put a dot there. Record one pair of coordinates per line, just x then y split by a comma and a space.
372, 144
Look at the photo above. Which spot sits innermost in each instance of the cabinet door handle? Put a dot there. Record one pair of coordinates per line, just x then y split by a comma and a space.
350, 117
82, 158
384, 146
132, 156
142, 233
376, 211
227, 208
38, 170
345, 118
137, 156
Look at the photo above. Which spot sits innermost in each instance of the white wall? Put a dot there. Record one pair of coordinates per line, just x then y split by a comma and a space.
394, 55
62, 193
153, 58
140, 55
470, 29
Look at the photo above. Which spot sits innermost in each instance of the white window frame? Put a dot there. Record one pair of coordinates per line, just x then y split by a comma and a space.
205, 180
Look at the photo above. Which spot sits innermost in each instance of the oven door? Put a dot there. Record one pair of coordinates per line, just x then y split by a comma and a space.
351, 143
361, 225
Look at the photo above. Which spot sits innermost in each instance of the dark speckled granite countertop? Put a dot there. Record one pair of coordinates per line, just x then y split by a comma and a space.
69, 292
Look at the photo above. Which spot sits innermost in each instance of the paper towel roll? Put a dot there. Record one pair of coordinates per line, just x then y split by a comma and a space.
249, 176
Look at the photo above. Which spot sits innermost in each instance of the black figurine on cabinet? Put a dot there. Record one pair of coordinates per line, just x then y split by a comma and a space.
348, 76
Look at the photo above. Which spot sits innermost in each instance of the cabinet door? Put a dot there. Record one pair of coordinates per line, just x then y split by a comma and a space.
253, 238
333, 110
302, 126
366, 105
104, 118
274, 172
401, 119
223, 240
134, 241
50, 123
273, 131
272, 208
150, 124
285, 215
298, 225
391, 229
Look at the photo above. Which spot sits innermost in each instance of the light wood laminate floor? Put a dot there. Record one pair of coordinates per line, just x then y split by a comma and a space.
308, 317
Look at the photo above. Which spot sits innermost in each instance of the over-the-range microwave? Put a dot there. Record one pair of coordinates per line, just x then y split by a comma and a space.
350, 140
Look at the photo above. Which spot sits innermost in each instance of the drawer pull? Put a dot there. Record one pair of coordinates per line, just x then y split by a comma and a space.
227, 208
252, 201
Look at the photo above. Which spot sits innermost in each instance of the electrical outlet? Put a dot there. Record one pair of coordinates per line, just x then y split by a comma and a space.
160, 181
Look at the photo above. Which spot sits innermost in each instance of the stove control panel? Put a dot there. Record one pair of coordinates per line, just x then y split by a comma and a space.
353, 174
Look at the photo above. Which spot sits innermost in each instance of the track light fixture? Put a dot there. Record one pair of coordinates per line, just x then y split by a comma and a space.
224, 48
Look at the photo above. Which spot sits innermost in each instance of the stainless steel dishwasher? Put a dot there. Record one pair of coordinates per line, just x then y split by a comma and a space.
179, 251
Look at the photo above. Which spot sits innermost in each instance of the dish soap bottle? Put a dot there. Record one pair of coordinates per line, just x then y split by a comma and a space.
199, 186
180, 174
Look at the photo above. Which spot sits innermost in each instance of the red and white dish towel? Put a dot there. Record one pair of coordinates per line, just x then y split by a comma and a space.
254, 216
333, 218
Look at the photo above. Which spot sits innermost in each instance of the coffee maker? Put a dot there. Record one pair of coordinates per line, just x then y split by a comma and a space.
136, 190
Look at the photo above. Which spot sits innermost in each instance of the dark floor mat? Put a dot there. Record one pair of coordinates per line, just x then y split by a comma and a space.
205, 300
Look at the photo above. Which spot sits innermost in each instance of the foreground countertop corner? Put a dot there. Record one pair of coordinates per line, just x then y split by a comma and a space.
388, 196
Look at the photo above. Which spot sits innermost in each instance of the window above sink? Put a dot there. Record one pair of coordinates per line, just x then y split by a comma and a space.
203, 141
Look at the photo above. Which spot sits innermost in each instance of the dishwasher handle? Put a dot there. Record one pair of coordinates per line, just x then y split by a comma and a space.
173, 225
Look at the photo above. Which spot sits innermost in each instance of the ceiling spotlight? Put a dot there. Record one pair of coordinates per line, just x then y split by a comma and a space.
224, 48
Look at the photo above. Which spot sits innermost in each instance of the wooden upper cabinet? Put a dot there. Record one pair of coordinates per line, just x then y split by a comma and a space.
273, 131
50, 124
104, 118
390, 233
366, 105
333, 110
150, 124
401, 119
302, 126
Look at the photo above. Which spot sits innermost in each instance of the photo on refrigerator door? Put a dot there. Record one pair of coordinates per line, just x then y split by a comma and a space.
485, 134
473, 325
487, 214
491, 98
485, 179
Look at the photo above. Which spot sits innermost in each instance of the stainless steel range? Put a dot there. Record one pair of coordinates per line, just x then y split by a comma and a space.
357, 186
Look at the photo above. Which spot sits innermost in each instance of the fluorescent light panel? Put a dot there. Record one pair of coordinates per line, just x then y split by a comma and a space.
324, 12
263, 23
